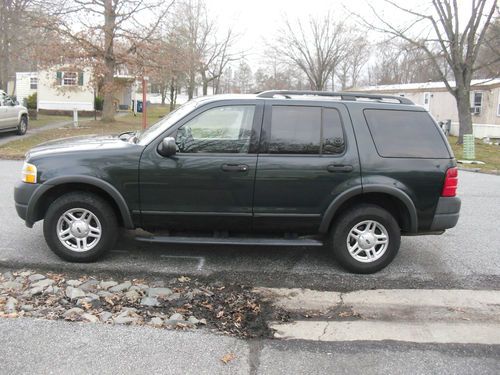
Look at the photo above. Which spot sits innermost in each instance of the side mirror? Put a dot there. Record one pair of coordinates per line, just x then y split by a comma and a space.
167, 147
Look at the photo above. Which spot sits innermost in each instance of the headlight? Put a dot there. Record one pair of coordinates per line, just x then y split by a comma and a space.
29, 173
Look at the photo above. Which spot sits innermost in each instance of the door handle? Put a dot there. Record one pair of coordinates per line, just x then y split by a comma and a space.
234, 167
339, 168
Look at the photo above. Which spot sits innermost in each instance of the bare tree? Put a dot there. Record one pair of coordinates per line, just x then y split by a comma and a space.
349, 69
489, 53
315, 48
206, 53
459, 43
164, 63
108, 32
243, 78
17, 36
401, 62
215, 60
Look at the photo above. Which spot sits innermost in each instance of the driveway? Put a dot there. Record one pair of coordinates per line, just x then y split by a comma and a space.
467, 256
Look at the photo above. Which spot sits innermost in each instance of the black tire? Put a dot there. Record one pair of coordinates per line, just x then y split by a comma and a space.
101, 209
348, 221
22, 127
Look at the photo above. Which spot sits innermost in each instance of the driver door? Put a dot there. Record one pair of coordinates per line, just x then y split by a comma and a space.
208, 184
3, 114
11, 113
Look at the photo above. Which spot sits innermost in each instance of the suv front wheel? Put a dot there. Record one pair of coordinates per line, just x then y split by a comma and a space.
80, 227
366, 239
22, 127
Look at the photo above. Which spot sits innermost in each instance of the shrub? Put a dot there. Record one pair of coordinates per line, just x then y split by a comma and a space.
98, 103
31, 101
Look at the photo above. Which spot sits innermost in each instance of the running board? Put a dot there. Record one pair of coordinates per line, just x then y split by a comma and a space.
231, 241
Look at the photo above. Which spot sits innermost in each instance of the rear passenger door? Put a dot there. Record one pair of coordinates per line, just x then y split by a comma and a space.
307, 157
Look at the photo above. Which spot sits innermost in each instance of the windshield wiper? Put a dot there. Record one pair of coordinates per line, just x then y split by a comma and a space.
130, 134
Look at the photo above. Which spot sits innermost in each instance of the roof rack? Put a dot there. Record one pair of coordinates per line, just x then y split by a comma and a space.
353, 96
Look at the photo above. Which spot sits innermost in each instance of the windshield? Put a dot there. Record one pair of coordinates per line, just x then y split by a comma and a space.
155, 130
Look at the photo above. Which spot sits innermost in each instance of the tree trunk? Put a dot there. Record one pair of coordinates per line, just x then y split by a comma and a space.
4, 47
191, 84
217, 86
163, 89
464, 116
108, 110
173, 95
204, 81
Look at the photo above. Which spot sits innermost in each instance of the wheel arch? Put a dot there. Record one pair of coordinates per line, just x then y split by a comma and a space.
394, 200
53, 188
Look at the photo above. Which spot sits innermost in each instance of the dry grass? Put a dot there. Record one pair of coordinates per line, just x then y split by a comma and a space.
490, 154
43, 120
18, 148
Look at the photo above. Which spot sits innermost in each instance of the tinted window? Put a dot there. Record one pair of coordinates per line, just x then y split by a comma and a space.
295, 130
300, 130
333, 135
218, 130
405, 134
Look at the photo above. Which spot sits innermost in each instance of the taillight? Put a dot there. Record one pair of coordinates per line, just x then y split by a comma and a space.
450, 183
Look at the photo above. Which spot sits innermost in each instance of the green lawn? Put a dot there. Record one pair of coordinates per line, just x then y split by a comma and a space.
490, 154
18, 148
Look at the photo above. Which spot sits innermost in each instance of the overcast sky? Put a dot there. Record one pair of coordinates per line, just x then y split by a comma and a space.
258, 20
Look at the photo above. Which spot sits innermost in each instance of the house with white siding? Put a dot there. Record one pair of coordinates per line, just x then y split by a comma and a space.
433, 96
26, 85
66, 88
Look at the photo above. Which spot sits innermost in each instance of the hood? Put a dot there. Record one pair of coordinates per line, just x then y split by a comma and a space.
79, 144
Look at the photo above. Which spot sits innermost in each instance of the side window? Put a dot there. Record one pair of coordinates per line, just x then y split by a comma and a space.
410, 134
305, 130
218, 130
333, 134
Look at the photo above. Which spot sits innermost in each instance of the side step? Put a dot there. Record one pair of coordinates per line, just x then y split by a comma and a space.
231, 241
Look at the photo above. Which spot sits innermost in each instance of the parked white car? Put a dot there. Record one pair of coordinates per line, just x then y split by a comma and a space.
13, 117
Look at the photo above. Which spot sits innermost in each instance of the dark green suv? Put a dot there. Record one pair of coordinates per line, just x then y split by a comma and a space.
350, 171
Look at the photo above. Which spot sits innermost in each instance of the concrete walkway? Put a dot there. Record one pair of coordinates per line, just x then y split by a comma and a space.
411, 315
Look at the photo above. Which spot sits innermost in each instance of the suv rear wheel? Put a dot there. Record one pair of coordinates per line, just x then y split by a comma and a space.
366, 239
80, 227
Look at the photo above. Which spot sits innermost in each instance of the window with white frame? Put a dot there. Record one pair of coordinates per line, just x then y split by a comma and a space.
69, 78
33, 83
427, 100
498, 106
476, 102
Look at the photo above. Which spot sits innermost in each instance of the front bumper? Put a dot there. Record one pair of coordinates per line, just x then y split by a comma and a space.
22, 195
447, 213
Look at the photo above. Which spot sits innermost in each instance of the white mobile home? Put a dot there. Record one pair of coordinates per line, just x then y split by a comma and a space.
65, 89
26, 85
485, 103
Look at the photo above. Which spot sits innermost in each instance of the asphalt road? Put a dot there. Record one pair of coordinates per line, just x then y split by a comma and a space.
467, 256
55, 347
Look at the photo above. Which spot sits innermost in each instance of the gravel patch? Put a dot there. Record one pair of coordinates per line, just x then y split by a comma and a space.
180, 303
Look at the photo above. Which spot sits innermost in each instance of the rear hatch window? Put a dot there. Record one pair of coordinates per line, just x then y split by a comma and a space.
406, 134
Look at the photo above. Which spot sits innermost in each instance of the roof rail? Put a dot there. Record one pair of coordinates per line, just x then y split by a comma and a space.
342, 95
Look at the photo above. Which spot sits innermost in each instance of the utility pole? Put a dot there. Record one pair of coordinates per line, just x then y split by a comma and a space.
144, 107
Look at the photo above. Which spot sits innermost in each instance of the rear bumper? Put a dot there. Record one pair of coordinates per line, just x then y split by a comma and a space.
447, 213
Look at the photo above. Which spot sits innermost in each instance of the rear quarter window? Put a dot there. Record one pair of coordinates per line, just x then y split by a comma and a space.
405, 134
